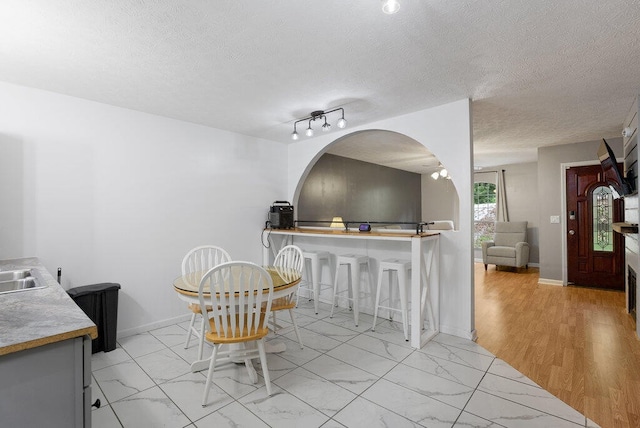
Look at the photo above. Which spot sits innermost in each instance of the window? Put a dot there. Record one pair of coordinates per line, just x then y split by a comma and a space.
484, 212
602, 219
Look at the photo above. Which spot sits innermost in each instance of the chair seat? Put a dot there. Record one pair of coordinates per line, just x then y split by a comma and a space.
244, 336
315, 255
283, 303
394, 264
351, 259
498, 251
195, 308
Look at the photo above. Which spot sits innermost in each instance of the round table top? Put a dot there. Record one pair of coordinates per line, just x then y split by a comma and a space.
282, 278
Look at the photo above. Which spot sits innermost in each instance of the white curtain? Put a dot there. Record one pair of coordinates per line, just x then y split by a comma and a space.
501, 198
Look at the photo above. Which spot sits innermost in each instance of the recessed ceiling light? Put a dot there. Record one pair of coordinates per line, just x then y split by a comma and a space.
390, 6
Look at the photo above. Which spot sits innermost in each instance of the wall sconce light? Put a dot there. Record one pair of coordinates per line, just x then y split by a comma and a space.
337, 223
318, 115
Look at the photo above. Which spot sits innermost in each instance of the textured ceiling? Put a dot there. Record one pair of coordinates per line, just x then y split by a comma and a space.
539, 73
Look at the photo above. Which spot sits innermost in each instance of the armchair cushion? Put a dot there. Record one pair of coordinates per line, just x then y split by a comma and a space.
508, 234
497, 251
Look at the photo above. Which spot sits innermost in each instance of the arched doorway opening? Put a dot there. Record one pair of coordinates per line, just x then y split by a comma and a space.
378, 176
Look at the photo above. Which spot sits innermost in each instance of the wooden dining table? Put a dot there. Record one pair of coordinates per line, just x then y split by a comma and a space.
284, 280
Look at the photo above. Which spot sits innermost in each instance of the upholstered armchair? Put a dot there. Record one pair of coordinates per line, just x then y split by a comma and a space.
509, 246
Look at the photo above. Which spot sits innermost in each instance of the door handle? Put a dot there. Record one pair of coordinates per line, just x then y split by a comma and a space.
572, 232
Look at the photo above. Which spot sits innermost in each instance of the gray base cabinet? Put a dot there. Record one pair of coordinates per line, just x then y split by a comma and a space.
47, 386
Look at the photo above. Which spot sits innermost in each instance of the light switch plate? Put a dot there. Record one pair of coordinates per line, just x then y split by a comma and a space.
555, 219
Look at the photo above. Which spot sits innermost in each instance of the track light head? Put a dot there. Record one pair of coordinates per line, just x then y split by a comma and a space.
326, 127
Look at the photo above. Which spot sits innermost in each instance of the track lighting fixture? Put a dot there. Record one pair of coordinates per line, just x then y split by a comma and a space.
318, 115
442, 173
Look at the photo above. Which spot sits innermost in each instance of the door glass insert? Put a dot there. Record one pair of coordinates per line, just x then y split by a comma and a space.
602, 219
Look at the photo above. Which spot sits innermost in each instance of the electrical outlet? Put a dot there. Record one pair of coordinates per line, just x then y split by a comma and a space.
555, 219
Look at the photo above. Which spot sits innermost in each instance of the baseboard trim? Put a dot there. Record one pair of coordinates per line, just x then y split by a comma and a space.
152, 326
545, 281
470, 335
530, 264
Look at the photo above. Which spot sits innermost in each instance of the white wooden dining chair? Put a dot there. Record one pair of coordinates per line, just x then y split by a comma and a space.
291, 259
240, 295
201, 259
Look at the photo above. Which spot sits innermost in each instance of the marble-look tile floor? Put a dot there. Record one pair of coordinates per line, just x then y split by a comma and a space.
345, 376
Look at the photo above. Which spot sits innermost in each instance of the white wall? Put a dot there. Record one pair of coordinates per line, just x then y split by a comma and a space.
439, 200
446, 132
115, 195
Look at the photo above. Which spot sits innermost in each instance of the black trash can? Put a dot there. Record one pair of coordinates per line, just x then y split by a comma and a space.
100, 303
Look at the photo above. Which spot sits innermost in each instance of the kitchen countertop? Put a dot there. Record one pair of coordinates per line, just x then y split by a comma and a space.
395, 234
33, 318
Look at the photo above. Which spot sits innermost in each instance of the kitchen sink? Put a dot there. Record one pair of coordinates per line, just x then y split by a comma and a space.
20, 280
11, 275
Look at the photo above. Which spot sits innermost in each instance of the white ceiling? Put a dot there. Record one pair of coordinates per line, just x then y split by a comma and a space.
539, 73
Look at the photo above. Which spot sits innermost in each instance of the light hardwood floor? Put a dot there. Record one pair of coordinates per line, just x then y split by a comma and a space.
577, 343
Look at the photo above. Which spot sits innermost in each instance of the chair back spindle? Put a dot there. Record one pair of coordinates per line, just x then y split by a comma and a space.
203, 258
290, 257
240, 295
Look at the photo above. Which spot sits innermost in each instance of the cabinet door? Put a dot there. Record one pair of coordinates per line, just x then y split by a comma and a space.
86, 375
42, 387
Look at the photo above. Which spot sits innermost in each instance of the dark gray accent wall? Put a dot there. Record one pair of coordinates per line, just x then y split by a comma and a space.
359, 191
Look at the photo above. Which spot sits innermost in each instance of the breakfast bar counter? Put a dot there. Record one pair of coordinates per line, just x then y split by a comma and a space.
422, 249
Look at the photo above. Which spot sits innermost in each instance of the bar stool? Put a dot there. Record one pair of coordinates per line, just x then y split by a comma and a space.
313, 275
401, 268
353, 262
